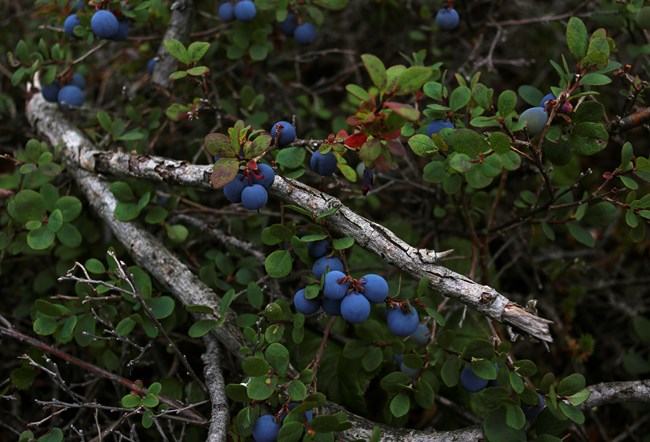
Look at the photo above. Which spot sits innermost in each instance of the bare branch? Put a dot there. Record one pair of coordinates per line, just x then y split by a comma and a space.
220, 417
615, 392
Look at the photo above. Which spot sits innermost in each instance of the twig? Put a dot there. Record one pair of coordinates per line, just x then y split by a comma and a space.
220, 417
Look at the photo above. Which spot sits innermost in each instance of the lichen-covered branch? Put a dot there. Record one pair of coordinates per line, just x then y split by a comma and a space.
220, 417
418, 263
145, 249
616, 392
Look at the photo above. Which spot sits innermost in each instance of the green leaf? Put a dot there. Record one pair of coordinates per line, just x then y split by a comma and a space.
277, 356
424, 394
450, 371
601, 214
224, 171
291, 157
372, 359
198, 71
406, 111
342, 243
278, 264
459, 98
201, 328
44, 326
29, 205
525, 367
400, 405
55, 221
126, 211
579, 397
496, 428
122, 191
413, 78
41, 238
255, 366
69, 235
22, 377
376, 70
581, 235
572, 413
131, 400
459, 162
516, 382
261, 388
484, 369
530, 94
422, 145
297, 390
150, 400
162, 307
197, 50
577, 37
177, 50
468, 142
506, 103
104, 120
515, 417
147, 419
357, 92
125, 326
394, 382
595, 79
54, 435
571, 384
290, 431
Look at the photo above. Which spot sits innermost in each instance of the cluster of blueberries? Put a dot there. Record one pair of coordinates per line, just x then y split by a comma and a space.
250, 187
244, 10
473, 384
266, 427
68, 94
447, 18
103, 23
536, 117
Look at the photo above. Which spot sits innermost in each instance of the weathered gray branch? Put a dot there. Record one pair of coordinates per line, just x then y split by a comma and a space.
616, 392
416, 262
220, 417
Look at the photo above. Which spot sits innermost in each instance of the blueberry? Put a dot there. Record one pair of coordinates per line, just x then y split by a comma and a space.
69, 24
316, 249
323, 164
227, 12
375, 288
437, 125
355, 308
265, 429
289, 24
122, 31
151, 64
304, 305
51, 91
546, 98
402, 323
267, 176
532, 411
78, 80
421, 335
322, 264
470, 381
305, 34
233, 189
447, 19
287, 133
70, 96
331, 306
245, 10
332, 289
254, 197
104, 24
535, 119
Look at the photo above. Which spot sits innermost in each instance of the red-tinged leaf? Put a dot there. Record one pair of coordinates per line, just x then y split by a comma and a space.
219, 145
356, 139
341, 134
224, 171
404, 110
391, 135
353, 120
370, 150
396, 148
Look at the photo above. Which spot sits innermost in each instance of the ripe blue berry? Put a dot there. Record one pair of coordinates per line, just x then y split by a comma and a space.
254, 197
227, 12
69, 97
51, 91
265, 429
322, 264
69, 24
245, 10
122, 31
332, 289
546, 98
535, 119
470, 381
316, 249
287, 133
532, 411
420, 336
78, 80
375, 288
355, 308
324, 165
402, 323
267, 176
437, 125
289, 24
152, 64
304, 305
447, 19
305, 34
104, 24
233, 189
331, 306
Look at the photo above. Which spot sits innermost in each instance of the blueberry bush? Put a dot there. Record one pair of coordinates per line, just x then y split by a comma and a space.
325, 220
